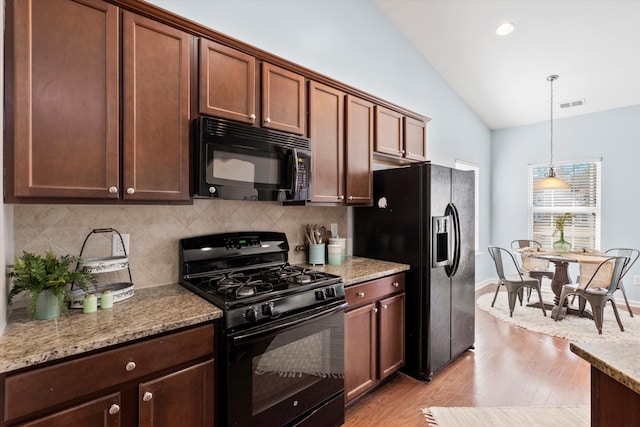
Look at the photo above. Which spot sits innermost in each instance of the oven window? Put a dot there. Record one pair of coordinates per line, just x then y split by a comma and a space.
247, 168
286, 368
278, 376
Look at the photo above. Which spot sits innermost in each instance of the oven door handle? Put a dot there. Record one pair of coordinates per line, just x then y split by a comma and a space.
272, 328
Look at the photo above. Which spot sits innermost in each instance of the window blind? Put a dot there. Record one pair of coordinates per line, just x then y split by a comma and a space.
583, 201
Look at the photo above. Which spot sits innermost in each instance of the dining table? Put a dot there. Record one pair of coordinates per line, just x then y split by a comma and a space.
561, 261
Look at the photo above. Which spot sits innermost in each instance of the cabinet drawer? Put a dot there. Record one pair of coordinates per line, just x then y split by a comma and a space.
370, 291
34, 390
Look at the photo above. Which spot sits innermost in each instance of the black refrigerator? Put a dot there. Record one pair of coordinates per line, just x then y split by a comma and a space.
423, 215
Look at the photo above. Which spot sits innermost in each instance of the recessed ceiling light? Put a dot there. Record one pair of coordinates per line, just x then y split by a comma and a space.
505, 28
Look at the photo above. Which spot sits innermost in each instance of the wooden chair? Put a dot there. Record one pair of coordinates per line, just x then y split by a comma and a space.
533, 267
513, 283
597, 283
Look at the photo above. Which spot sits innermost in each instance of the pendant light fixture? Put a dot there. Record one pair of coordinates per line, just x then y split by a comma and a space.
551, 182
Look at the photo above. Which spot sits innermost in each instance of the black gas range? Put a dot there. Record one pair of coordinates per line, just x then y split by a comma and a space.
283, 329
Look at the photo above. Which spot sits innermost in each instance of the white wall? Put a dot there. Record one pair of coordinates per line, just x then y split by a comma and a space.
353, 42
612, 135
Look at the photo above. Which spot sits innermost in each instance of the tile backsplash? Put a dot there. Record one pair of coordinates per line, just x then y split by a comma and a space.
155, 229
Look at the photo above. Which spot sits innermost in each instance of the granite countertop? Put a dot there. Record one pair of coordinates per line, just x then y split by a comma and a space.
150, 311
357, 270
617, 360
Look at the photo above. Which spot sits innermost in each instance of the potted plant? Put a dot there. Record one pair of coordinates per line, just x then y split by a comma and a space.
46, 279
562, 245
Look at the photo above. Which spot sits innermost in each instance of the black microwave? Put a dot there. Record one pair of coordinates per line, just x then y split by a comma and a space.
242, 162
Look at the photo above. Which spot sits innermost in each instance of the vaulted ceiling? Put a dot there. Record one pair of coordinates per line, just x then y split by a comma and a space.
593, 45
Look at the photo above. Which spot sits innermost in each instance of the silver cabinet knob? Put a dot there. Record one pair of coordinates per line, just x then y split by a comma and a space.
408, 153
252, 116
360, 294
375, 310
130, 366
395, 284
341, 197
147, 396
384, 306
350, 197
267, 120
114, 409
130, 190
113, 190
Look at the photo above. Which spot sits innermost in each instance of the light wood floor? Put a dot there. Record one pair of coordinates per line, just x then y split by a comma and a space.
509, 366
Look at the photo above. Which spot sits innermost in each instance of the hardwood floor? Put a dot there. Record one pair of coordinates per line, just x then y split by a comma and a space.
509, 366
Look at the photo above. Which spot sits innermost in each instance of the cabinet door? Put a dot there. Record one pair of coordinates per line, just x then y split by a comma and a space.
389, 129
184, 398
227, 82
103, 411
326, 130
155, 110
391, 330
65, 99
415, 139
359, 145
283, 100
359, 351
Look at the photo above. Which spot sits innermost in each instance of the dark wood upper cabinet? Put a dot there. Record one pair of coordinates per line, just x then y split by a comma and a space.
359, 148
283, 100
326, 130
415, 139
399, 137
389, 132
155, 110
66, 103
65, 99
227, 82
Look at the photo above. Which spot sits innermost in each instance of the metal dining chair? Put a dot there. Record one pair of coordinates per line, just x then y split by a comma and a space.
533, 267
597, 286
632, 254
514, 283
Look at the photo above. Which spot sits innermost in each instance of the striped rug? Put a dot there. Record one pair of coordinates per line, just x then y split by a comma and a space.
517, 416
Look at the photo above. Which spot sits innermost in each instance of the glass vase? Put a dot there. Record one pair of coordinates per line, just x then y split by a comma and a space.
561, 246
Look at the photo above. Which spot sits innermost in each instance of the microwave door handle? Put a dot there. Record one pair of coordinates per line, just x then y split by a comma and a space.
294, 170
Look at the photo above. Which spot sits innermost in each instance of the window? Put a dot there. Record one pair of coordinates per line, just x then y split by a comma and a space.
465, 166
582, 201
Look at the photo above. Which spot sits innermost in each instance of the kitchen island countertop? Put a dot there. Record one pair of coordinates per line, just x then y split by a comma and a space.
150, 311
357, 270
617, 360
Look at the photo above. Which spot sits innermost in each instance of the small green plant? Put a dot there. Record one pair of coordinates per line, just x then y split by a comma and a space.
34, 274
562, 220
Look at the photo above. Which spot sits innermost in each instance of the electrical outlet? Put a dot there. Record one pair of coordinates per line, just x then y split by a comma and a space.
116, 245
636, 280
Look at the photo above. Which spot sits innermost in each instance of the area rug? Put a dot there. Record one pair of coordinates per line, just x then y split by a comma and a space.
572, 327
523, 416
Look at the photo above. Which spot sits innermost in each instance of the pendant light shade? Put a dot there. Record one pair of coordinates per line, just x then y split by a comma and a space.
551, 182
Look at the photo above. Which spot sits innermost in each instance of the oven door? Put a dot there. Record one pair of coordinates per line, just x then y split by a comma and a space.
290, 372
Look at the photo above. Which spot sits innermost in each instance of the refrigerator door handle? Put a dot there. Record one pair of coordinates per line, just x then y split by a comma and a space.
453, 267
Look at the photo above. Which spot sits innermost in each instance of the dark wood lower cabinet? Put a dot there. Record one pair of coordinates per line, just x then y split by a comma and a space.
374, 333
612, 404
167, 380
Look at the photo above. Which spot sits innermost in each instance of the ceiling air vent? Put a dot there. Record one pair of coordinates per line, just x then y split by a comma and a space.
572, 104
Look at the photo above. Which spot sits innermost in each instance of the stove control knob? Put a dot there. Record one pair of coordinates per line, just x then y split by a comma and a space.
330, 292
269, 310
320, 295
251, 315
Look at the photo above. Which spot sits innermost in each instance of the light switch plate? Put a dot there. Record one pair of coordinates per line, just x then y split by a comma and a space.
334, 230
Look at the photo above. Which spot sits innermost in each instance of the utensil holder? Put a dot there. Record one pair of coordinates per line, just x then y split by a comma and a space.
316, 254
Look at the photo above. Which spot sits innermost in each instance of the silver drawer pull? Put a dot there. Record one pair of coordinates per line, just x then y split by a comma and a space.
113, 190
114, 409
147, 396
267, 120
360, 294
395, 284
130, 190
375, 310
252, 116
130, 366
384, 306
